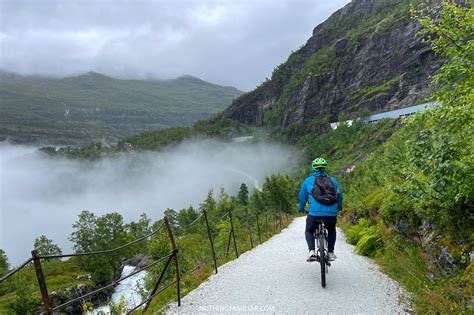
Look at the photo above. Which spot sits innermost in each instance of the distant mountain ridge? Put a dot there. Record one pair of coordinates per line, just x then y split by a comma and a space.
94, 107
367, 56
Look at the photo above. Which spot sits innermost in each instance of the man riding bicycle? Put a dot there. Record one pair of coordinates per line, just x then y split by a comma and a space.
325, 200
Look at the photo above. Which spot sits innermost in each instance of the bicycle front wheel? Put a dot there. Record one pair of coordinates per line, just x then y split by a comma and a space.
322, 260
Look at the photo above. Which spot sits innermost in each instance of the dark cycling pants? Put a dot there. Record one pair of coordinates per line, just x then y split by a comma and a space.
311, 226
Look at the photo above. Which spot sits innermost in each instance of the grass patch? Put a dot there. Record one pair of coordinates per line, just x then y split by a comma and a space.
372, 92
404, 261
59, 276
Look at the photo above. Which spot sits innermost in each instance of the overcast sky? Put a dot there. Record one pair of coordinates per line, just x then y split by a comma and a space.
229, 42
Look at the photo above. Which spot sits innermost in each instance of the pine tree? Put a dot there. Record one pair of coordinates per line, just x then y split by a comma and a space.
243, 195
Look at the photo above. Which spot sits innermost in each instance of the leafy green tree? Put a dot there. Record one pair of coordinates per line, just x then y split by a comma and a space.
24, 302
243, 195
209, 204
449, 28
158, 247
140, 228
172, 216
225, 203
440, 154
45, 246
278, 193
93, 233
185, 218
83, 235
256, 201
4, 265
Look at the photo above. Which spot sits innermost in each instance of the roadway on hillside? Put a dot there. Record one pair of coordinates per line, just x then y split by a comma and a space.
275, 278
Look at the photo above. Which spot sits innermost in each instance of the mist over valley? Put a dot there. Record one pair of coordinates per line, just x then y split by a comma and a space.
44, 195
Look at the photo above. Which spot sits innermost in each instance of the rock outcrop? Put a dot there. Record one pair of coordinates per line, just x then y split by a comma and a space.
366, 57
138, 261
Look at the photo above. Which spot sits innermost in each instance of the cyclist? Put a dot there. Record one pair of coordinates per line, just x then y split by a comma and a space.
325, 200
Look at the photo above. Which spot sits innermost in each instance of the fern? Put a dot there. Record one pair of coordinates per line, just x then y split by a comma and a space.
354, 232
370, 243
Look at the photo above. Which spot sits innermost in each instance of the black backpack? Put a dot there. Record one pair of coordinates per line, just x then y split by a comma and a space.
324, 191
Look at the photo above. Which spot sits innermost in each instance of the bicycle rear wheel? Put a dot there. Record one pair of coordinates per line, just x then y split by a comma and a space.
322, 260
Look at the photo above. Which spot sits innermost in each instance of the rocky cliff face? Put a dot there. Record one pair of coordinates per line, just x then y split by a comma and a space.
366, 57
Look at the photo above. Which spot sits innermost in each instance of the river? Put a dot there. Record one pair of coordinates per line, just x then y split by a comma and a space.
126, 291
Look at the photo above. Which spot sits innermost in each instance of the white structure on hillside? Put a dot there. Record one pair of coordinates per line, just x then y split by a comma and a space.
334, 125
393, 114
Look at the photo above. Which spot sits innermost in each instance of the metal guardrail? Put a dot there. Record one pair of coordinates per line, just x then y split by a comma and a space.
171, 256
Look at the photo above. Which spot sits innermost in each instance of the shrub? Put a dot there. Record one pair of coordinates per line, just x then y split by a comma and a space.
370, 243
366, 238
353, 232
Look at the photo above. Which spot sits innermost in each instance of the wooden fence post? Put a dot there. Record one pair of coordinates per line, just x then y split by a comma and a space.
233, 234
228, 243
41, 282
258, 229
266, 224
279, 215
250, 236
158, 283
175, 250
275, 226
210, 240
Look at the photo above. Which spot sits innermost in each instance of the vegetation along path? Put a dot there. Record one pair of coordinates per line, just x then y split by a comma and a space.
275, 278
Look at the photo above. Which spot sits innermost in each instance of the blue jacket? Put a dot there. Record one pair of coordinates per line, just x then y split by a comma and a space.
315, 208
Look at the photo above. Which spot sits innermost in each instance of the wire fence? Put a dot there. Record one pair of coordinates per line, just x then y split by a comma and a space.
172, 256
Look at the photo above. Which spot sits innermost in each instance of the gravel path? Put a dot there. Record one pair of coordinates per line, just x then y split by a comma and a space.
275, 278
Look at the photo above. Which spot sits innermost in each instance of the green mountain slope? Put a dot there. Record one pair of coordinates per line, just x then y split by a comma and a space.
93, 107
366, 57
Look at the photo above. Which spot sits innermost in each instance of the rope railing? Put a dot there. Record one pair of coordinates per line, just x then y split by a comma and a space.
36, 259
224, 215
247, 229
105, 251
12, 272
114, 283
194, 222
150, 298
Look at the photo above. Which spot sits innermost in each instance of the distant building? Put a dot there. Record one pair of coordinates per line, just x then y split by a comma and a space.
400, 113
128, 147
393, 114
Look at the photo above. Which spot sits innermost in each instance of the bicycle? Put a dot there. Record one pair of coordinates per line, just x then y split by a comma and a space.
321, 236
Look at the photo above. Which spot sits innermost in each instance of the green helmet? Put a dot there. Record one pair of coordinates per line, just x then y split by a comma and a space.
319, 164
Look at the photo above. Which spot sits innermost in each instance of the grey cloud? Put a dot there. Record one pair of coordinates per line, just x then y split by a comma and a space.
228, 42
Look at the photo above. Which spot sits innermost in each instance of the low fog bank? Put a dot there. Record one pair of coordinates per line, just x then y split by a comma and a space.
41, 195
